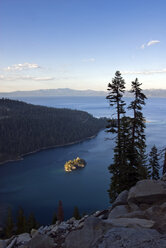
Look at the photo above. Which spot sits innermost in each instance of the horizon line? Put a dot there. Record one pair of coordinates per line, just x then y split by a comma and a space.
95, 90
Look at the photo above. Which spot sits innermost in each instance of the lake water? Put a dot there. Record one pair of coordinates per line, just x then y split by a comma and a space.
39, 181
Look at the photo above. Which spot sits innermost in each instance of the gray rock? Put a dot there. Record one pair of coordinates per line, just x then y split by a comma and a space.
23, 246
80, 225
120, 237
148, 191
133, 206
118, 211
94, 228
2, 244
76, 223
63, 225
13, 242
131, 222
97, 233
41, 241
164, 177
23, 238
163, 207
157, 213
54, 229
8, 241
46, 229
33, 232
103, 214
71, 220
121, 199
136, 214
97, 213
40, 230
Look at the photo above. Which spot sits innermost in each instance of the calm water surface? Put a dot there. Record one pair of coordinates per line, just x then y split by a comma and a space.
38, 181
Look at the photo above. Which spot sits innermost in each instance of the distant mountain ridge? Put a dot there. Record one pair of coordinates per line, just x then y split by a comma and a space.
53, 92
72, 92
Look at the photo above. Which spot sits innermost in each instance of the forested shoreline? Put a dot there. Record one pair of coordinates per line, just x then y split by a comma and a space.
27, 128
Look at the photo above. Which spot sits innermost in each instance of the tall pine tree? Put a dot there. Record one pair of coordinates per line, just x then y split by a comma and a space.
115, 95
137, 146
154, 163
129, 163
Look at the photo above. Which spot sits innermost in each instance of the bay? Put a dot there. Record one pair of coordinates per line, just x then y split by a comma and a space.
39, 181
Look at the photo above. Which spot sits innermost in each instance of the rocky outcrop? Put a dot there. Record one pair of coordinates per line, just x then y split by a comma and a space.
121, 199
148, 192
137, 219
119, 237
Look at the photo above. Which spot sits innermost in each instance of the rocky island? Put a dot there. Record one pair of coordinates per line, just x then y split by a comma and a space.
74, 164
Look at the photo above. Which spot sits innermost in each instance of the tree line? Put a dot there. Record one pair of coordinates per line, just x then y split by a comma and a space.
25, 128
130, 159
25, 224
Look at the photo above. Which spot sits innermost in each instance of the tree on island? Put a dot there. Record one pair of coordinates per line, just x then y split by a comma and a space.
60, 215
129, 162
154, 163
76, 213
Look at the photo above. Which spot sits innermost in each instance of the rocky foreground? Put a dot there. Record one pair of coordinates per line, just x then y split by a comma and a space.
137, 219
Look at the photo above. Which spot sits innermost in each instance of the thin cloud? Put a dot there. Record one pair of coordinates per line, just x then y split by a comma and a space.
15, 77
21, 67
144, 72
150, 43
153, 42
42, 78
89, 60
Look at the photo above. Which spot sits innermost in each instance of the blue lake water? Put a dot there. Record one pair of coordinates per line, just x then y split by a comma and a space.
39, 181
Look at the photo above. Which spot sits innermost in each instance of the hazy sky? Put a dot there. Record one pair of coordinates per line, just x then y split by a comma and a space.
80, 44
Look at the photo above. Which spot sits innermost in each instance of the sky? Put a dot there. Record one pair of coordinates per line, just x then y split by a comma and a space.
80, 44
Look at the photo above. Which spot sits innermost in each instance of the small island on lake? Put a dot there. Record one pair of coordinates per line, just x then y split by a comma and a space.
74, 164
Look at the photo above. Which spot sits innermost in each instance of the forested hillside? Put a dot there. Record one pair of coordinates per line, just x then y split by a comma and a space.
25, 128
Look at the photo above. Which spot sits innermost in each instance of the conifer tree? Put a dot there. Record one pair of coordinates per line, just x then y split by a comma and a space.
21, 222
115, 94
137, 147
54, 219
164, 165
60, 215
76, 213
9, 224
154, 163
127, 169
31, 222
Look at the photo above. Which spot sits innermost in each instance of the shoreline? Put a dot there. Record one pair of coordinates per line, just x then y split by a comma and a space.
21, 157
